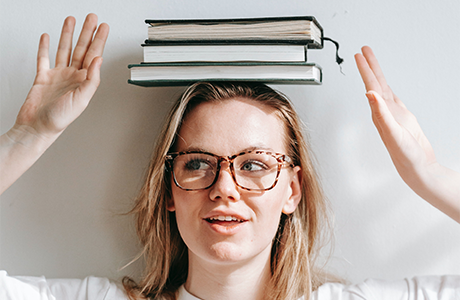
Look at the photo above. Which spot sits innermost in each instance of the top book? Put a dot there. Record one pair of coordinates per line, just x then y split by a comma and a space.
301, 30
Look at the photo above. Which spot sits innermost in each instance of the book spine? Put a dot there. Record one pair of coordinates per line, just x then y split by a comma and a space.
235, 20
197, 64
169, 82
149, 42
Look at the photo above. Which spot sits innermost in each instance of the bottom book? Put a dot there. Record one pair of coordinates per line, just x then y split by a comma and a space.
178, 74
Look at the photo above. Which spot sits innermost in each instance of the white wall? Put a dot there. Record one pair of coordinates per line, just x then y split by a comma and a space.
61, 219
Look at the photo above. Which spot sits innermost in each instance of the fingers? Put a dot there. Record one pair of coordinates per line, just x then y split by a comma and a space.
84, 41
97, 45
374, 65
65, 43
370, 81
372, 75
43, 60
87, 48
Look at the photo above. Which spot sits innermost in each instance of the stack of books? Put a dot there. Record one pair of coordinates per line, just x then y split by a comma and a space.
269, 50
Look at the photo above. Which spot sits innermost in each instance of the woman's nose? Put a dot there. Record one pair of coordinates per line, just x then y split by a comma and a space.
225, 187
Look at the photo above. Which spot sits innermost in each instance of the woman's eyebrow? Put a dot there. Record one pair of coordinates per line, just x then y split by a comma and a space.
247, 149
265, 148
190, 149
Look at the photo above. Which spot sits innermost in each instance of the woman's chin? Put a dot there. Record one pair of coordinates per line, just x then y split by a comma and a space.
228, 253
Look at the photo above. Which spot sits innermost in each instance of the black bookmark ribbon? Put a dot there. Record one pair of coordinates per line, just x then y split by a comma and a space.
338, 59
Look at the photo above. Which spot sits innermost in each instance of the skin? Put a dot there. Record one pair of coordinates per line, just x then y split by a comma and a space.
410, 150
231, 259
227, 261
58, 96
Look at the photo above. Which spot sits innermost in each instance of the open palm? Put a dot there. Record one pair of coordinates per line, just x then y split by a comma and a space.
397, 126
408, 146
60, 94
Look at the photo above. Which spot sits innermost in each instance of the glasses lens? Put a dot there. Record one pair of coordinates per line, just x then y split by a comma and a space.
256, 171
194, 170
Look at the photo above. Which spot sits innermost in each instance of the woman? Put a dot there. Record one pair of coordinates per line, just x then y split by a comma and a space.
231, 206
224, 119
232, 119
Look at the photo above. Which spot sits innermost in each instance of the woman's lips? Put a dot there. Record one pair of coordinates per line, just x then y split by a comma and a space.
225, 224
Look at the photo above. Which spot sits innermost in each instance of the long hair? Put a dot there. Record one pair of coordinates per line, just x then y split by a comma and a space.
297, 242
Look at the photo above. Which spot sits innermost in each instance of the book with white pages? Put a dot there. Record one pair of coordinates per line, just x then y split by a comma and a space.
182, 74
224, 53
265, 30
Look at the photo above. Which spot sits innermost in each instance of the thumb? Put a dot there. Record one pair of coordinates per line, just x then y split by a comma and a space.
90, 85
381, 115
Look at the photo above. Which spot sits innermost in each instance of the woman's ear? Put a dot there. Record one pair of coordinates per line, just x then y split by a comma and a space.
295, 191
170, 204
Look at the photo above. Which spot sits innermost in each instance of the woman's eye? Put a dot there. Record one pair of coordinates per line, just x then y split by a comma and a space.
195, 165
253, 166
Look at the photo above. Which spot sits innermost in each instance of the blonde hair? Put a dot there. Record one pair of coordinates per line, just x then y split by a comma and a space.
297, 241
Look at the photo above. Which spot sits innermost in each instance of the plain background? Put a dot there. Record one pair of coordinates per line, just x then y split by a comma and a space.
63, 218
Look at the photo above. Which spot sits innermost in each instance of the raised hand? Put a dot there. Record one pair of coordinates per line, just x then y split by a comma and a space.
397, 126
59, 95
408, 146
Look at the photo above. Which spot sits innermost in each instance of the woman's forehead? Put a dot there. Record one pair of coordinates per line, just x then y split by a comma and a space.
229, 126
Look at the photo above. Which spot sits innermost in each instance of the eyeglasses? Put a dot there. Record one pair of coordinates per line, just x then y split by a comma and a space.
251, 170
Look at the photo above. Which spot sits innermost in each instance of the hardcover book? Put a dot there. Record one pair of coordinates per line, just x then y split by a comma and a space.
224, 53
171, 74
299, 30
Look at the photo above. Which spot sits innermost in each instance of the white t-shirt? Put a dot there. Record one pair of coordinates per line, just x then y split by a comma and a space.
95, 288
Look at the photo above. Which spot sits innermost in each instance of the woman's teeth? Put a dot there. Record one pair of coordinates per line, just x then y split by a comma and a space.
225, 218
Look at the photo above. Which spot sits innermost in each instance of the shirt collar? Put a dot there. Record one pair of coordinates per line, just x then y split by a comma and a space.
184, 295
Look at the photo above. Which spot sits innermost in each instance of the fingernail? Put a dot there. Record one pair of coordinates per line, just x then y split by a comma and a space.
370, 97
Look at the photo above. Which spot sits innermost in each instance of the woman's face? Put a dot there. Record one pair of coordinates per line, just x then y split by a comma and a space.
227, 128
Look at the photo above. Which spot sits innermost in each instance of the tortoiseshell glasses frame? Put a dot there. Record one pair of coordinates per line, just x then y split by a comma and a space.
199, 170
